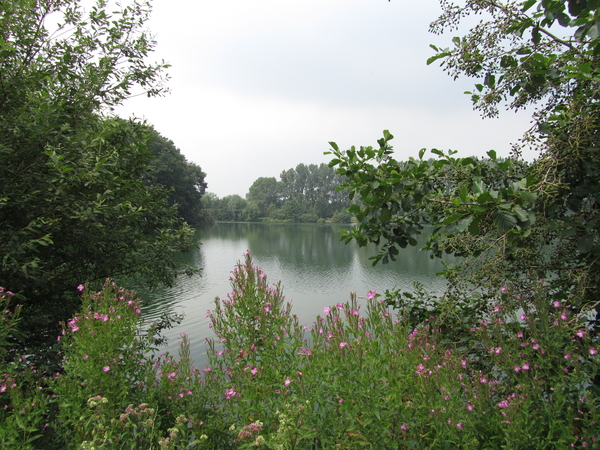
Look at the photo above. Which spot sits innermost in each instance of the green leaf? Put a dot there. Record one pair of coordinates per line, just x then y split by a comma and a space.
453, 218
483, 198
585, 243
478, 187
463, 194
504, 220
528, 4
536, 36
434, 58
474, 226
576, 7
492, 154
522, 215
594, 30
563, 19
489, 80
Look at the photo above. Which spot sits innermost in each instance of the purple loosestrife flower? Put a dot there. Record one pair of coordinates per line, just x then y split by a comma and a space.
305, 351
106, 368
287, 382
580, 333
230, 393
371, 294
326, 311
593, 351
80, 287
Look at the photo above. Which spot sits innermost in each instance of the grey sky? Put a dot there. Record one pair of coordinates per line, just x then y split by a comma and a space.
259, 87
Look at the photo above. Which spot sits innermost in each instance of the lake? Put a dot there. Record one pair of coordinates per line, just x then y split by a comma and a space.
316, 270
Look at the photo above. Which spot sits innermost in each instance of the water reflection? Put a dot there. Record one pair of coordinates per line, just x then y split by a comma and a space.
315, 268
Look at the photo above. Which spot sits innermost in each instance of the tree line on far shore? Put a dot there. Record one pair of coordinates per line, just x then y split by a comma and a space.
307, 193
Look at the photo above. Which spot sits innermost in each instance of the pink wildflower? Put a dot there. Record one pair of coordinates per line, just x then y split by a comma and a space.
230, 393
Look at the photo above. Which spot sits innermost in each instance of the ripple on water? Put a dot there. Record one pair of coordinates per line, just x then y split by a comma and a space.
316, 271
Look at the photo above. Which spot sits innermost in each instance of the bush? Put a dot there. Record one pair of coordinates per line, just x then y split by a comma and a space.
308, 218
342, 216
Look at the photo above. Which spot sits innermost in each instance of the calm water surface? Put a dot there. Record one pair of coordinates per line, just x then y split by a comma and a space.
316, 270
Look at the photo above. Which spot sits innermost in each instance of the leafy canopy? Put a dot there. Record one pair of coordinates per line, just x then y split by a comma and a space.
504, 216
74, 202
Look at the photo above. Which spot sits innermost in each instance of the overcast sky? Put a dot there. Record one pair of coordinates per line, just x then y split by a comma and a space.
259, 87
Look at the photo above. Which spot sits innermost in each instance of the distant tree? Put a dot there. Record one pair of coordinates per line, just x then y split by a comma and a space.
251, 212
185, 180
234, 207
264, 192
308, 218
292, 210
341, 216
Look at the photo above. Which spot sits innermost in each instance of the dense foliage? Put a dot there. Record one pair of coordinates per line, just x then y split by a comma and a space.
184, 179
506, 217
359, 377
75, 204
304, 194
